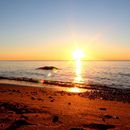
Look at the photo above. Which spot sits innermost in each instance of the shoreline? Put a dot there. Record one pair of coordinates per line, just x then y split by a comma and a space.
91, 92
31, 108
89, 85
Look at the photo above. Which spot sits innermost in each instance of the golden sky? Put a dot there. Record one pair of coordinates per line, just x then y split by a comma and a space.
53, 30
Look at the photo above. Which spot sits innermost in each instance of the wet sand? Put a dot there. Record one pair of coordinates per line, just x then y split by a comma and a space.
31, 108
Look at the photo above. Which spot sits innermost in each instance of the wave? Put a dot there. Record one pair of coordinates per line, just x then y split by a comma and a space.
89, 85
125, 74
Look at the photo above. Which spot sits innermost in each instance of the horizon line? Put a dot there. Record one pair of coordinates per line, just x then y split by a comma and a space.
64, 60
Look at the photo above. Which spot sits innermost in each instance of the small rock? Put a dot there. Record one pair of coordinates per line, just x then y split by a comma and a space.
69, 103
108, 116
5, 120
115, 117
11, 112
55, 119
24, 117
50, 97
104, 109
39, 99
52, 100
103, 119
2, 125
33, 98
36, 115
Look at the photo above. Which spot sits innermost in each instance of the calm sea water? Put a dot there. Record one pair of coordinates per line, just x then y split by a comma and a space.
111, 73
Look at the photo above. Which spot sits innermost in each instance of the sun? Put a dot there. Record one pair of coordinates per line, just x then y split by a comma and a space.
78, 54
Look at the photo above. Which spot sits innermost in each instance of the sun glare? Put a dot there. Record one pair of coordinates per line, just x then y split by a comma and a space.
75, 90
78, 54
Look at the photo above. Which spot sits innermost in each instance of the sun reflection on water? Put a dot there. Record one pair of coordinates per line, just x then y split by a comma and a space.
76, 90
78, 78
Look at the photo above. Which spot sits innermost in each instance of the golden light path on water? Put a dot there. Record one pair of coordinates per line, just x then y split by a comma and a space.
76, 90
78, 78
78, 54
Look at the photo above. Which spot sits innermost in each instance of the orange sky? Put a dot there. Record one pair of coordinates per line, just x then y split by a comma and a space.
53, 30
95, 51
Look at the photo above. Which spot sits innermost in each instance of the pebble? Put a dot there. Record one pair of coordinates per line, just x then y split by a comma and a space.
55, 119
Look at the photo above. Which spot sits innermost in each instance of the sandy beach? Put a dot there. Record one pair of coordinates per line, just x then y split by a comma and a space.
31, 108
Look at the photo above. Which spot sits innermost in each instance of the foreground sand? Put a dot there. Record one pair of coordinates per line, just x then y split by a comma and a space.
29, 108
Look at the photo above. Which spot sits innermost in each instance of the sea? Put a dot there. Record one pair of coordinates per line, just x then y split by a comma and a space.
115, 74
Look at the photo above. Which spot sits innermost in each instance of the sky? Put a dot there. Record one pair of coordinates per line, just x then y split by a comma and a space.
54, 29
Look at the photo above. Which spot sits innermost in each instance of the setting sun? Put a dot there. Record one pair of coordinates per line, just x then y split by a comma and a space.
78, 54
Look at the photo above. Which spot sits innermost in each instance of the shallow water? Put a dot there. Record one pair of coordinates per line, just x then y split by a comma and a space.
111, 73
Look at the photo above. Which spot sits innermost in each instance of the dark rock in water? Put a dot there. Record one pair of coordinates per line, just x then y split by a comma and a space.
55, 119
48, 68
